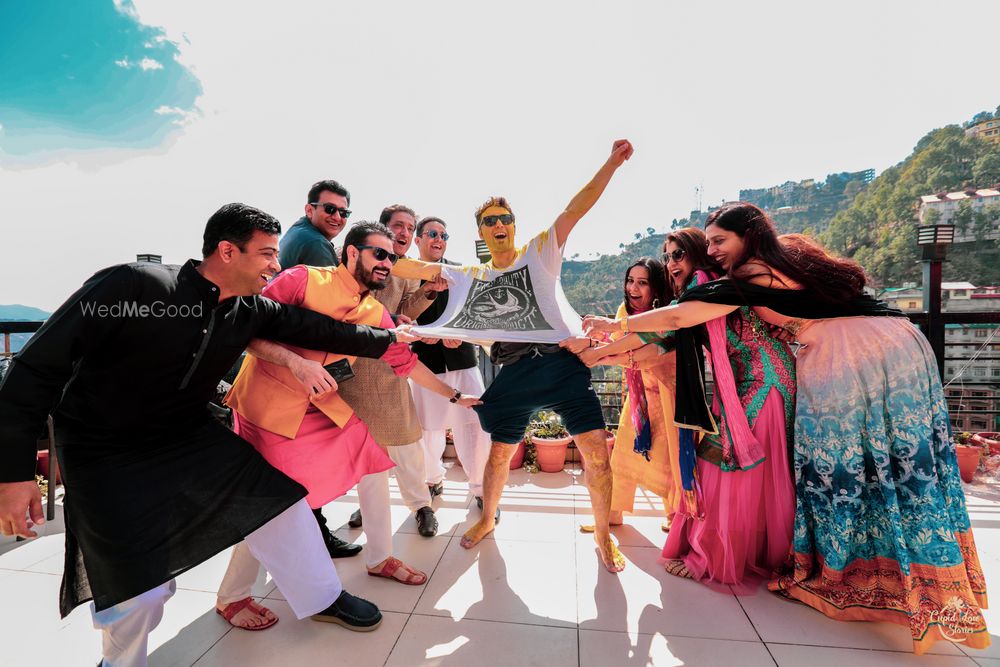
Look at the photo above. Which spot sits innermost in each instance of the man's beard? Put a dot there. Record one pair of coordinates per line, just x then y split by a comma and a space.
365, 278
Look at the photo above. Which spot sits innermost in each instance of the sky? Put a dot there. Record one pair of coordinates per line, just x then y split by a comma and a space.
124, 126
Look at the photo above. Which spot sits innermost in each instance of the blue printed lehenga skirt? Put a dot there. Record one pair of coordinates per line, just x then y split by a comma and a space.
881, 528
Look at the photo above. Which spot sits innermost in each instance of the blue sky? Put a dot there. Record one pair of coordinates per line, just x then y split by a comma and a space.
86, 74
440, 105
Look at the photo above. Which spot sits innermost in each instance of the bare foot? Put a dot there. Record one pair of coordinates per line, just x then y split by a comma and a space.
678, 568
611, 556
479, 530
261, 610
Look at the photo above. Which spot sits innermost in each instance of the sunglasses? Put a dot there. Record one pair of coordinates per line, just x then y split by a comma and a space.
490, 220
330, 209
676, 255
433, 234
380, 253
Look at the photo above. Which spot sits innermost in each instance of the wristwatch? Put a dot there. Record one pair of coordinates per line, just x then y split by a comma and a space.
454, 399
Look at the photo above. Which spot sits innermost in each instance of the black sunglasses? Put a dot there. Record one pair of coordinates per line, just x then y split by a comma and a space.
676, 255
380, 253
330, 209
490, 220
433, 233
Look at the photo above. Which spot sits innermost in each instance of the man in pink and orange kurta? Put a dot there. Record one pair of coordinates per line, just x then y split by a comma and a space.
287, 406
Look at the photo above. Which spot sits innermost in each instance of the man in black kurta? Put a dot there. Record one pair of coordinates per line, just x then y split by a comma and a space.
154, 485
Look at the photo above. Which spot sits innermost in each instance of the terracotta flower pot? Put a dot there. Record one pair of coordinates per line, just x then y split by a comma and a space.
968, 460
550, 452
518, 459
989, 439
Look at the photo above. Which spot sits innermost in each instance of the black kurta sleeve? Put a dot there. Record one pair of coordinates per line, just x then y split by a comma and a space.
305, 328
39, 373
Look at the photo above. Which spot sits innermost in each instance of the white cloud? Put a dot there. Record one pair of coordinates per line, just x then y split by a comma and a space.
146, 64
750, 100
184, 117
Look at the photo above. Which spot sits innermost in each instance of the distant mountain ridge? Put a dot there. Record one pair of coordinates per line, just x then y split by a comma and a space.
17, 313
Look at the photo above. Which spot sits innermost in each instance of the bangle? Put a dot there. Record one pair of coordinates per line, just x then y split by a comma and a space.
623, 323
457, 395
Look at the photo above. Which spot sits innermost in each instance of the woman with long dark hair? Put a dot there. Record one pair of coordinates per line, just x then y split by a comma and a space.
881, 528
645, 453
735, 524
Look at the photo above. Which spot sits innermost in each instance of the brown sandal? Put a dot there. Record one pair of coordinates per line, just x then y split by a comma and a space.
233, 608
389, 567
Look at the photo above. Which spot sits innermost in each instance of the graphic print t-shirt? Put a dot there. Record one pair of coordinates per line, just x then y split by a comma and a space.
523, 303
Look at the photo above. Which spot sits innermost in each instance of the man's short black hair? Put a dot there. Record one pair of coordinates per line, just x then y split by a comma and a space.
388, 212
329, 185
425, 221
360, 232
236, 223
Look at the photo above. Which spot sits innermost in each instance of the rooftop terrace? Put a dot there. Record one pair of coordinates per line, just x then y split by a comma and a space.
532, 594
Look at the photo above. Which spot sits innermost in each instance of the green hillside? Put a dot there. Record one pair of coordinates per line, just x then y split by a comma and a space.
879, 228
595, 287
875, 223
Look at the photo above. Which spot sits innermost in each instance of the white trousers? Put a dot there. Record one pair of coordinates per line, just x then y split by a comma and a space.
472, 446
289, 546
409, 472
436, 413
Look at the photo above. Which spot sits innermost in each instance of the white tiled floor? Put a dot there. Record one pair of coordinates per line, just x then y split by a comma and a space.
533, 594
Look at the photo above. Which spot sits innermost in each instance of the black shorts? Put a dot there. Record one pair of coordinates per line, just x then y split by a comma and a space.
559, 382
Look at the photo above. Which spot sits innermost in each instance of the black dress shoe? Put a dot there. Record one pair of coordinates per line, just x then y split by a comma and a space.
355, 520
338, 548
479, 504
427, 523
352, 612
436, 489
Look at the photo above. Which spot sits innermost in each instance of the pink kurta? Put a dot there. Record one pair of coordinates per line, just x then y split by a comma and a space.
324, 458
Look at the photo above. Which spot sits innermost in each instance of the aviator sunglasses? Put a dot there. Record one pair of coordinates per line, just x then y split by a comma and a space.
330, 209
433, 234
380, 253
490, 220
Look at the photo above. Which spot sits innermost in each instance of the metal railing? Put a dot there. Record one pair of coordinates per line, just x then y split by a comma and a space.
973, 402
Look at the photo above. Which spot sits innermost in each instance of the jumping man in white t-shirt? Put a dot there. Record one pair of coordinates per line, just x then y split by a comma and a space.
519, 289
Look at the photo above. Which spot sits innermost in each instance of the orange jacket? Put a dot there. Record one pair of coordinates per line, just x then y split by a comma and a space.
268, 395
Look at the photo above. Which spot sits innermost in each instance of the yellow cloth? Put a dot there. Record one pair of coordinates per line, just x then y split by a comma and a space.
661, 473
268, 395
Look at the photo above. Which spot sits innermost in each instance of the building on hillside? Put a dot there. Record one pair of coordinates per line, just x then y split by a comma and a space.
972, 376
988, 130
972, 409
955, 297
972, 351
948, 204
909, 298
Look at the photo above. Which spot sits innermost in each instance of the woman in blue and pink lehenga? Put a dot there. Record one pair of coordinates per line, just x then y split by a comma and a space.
881, 528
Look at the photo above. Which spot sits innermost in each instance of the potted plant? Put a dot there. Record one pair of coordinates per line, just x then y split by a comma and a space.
968, 453
517, 460
550, 438
989, 440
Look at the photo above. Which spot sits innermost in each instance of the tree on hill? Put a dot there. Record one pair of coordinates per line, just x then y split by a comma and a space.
878, 229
